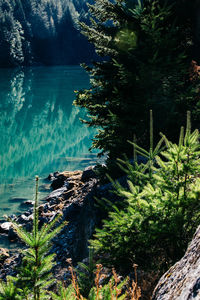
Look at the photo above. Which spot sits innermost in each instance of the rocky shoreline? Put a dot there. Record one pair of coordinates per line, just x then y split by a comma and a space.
73, 195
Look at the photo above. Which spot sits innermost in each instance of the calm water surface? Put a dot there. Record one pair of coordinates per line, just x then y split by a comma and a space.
40, 131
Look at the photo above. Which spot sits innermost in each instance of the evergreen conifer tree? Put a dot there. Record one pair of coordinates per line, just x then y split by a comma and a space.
144, 65
161, 212
35, 272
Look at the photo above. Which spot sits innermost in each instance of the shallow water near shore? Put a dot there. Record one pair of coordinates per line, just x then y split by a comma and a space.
40, 130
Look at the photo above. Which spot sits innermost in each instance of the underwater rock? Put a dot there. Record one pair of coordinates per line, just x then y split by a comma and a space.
27, 203
16, 200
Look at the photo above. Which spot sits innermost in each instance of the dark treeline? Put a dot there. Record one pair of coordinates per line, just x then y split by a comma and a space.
42, 32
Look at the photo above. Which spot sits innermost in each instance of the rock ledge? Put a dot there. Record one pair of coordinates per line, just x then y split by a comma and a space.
182, 281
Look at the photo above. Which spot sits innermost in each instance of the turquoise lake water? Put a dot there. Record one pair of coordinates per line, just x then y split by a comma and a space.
40, 130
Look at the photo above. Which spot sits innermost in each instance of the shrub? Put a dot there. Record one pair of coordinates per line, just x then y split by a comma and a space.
114, 289
161, 214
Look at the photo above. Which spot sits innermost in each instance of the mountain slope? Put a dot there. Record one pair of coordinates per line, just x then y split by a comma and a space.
42, 32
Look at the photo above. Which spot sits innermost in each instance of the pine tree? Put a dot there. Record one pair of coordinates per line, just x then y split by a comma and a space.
10, 290
35, 273
160, 214
144, 65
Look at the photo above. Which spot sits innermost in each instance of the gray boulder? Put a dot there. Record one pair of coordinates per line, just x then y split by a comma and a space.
5, 227
182, 281
55, 194
88, 173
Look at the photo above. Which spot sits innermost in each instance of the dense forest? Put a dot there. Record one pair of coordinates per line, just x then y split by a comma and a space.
42, 32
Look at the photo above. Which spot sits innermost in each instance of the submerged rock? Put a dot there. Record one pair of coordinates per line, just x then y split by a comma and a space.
16, 200
27, 204
182, 281
44, 188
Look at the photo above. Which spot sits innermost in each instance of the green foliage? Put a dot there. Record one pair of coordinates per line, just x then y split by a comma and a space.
64, 293
114, 289
105, 292
148, 55
9, 290
86, 274
82, 281
138, 173
161, 213
108, 291
35, 273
